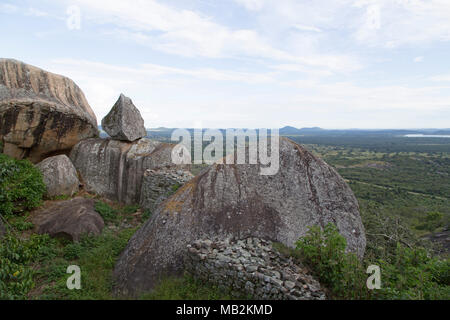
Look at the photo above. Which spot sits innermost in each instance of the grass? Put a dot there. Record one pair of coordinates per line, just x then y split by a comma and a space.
187, 288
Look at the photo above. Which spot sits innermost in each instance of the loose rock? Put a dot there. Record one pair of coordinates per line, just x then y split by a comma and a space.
242, 279
69, 219
60, 176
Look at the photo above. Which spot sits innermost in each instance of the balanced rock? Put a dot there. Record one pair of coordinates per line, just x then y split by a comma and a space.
124, 121
235, 201
69, 219
115, 169
60, 176
41, 113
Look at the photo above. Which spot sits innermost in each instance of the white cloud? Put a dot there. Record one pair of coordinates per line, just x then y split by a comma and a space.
8, 8
418, 59
441, 78
253, 5
35, 12
168, 96
191, 34
306, 28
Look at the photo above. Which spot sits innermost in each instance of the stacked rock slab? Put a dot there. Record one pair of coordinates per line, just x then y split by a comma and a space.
41, 113
115, 169
124, 121
60, 176
69, 219
251, 267
159, 184
236, 201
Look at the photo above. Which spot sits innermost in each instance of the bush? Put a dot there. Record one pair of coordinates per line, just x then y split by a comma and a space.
324, 251
21, 186
108, 214
16, 258
96, 257
411, 273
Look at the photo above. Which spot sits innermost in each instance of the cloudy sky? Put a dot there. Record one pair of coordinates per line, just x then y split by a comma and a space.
246, 63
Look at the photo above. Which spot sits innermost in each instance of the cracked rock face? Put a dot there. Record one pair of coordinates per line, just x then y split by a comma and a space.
236, 201
41, 114
124, 121
60, 176
115, 169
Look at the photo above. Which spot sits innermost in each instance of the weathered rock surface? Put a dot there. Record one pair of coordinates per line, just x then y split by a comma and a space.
69, 219
236, 201
41, 113
159, 184
115, 169
60, 176
251, 267
124, 121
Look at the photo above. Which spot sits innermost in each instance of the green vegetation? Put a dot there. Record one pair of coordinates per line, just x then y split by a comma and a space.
108, 214
187, 288
96, 257
18, 258
21, 186
411, 273
402, 186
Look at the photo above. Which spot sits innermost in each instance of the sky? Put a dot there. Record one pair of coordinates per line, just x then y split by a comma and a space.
245, 63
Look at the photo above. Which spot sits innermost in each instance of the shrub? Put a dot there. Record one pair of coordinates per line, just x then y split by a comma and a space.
324, 251
21, 185
108, 214
411, 273
16, 258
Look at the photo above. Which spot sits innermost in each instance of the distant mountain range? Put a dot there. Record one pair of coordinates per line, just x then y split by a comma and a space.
292, 131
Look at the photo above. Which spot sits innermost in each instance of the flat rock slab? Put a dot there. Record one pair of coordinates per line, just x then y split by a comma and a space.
60, 176
124, 121
69, 219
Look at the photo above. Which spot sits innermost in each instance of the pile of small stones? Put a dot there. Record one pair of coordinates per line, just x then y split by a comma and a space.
251, 267
158, 185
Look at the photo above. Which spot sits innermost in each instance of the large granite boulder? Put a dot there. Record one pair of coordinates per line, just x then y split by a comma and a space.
115, 169
69, 219
60, 176
235, 201
124, 121
41, 113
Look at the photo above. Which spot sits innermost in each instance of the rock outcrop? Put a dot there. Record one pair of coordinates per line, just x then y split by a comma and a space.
115, 169
159, 184
251, 267
236, 201
41, 113
124, 121
60, 176
69, 219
